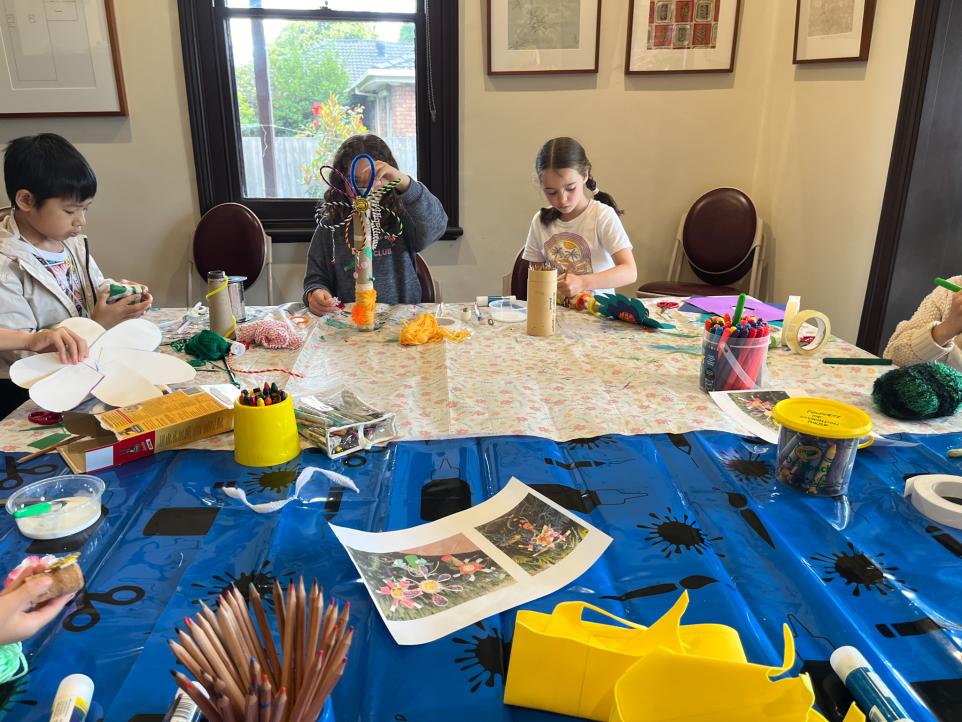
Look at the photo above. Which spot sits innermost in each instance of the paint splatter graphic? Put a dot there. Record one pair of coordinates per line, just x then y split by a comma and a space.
672, 535
261, 578
485, 657
859, 571
750, 469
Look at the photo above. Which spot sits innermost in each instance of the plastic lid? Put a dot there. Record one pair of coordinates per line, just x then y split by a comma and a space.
822, 417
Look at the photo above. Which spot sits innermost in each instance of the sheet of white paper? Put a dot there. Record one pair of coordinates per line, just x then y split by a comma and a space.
27, 371
431, 580
66, 388
122, 385
156, 367
135, 333
752, 410
88, 329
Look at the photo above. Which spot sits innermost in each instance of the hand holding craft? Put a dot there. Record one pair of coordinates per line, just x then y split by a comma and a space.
109, 315
320, 301
70, 347
25, 602
570, 285
384, 173
951, 325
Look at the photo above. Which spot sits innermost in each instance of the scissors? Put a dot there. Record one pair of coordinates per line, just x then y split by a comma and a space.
118, 597
14, 472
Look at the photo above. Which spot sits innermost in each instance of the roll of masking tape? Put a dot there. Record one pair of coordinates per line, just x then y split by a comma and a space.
796, 342
791, 309
935, 495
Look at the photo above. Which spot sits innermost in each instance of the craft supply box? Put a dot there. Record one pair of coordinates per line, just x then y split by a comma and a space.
143, 429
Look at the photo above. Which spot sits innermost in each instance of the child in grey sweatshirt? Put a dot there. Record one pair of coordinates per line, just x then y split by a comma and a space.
330, 258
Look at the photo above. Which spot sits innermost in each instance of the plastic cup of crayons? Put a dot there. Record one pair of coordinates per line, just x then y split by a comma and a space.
818, 442
733, 354
265, 431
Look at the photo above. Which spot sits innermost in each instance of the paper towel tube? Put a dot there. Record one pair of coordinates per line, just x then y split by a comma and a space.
542, 302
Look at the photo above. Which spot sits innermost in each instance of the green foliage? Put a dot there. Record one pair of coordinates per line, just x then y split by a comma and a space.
407, 33
304, 66
331, 125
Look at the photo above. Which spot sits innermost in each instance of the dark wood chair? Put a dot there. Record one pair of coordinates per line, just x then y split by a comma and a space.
230, 238
430, 290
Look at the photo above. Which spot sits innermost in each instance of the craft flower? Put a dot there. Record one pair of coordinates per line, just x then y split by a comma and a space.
469, 568
121, 367
401, 593
622, 308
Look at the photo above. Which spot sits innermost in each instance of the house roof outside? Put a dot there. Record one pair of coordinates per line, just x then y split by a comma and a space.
361, 56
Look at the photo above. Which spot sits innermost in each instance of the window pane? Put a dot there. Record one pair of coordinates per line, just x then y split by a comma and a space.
361, 6
303, 86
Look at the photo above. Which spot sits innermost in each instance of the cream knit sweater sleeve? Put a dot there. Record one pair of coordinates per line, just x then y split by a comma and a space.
912, 342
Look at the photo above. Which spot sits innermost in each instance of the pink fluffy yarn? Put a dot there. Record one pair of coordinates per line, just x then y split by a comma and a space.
269, 334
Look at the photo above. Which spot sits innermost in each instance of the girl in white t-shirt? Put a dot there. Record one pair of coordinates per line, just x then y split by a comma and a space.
580, 232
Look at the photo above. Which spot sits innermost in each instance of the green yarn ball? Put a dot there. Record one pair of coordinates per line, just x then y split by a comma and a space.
914, 393
207, 345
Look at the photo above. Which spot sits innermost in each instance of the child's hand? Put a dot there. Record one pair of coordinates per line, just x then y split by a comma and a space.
20, 619
320, 301
951, 325
109, 315
384, 173
71, 347
570, 285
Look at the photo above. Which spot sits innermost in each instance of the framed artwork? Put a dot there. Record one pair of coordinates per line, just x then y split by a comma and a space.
829, 31
543, 36
682, 36
60, 57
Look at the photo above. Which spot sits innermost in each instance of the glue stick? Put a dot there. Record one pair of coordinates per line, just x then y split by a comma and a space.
73, 699
870, 692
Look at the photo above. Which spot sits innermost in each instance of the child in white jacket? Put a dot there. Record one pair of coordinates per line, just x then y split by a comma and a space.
934, 332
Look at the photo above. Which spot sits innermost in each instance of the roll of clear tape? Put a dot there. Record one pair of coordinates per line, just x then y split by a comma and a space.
931, 494
792, 330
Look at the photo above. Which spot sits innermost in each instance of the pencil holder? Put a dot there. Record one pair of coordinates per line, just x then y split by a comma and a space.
818, 442
542, 302
265, 435
729, 363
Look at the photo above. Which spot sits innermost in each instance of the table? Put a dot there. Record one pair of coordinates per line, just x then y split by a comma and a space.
688, 510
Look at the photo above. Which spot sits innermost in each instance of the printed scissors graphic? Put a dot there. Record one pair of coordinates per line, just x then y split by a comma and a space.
118, 597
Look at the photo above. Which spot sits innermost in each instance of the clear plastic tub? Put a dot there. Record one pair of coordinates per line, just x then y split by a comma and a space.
76, 505
508, 311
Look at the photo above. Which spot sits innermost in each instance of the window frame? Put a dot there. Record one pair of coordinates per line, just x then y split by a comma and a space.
215, 129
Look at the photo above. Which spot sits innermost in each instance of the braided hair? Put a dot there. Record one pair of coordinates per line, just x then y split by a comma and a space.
559, 154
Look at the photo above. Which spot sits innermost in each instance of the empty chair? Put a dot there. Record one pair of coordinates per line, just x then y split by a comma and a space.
721, 238
230, 238
430, 289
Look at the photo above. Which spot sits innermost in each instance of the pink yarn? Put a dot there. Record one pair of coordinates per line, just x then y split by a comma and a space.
269, 334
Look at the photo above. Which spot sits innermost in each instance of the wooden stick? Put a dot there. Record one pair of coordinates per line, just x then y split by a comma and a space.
52, 447
206, 708
266, 636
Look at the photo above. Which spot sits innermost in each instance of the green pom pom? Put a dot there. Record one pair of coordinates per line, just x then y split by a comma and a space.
913, 393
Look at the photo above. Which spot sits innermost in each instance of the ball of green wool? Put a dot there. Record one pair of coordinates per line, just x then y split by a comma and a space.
207, 345
924, 391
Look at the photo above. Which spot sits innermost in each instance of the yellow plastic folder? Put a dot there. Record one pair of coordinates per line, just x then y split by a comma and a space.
666, 672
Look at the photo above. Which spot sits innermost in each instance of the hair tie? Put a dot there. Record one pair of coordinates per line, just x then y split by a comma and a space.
595, 191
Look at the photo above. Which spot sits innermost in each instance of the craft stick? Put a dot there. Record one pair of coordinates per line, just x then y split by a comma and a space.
280, 706
204, 704
52, 447
266, 637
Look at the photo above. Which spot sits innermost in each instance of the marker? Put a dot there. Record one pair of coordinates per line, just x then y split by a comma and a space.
870, 693
183, 708
947, 285
36, 509
868, 361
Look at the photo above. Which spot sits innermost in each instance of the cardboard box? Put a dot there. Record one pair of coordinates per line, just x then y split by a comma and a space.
133, 432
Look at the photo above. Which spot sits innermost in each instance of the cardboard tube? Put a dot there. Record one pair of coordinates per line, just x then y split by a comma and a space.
542, 301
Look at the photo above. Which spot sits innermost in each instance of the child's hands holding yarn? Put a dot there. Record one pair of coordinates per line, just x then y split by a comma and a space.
951, 325
20, 617
320, 301
109, 315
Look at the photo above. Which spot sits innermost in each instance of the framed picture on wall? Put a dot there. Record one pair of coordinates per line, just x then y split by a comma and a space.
682, 36
60, 57
543, 36
830, 31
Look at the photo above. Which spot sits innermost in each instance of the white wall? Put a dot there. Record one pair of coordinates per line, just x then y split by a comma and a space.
811, 145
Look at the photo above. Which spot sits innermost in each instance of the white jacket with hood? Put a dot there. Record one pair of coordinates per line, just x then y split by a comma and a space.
30, 297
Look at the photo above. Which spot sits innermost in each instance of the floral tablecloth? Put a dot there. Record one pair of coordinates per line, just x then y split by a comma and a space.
595, 376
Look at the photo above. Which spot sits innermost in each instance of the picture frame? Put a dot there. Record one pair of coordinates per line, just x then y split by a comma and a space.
73, 65
832, 32
682, 36
543, 36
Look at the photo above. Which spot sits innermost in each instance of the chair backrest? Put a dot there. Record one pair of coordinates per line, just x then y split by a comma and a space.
230, 238
424, 278
519, 277
718, 234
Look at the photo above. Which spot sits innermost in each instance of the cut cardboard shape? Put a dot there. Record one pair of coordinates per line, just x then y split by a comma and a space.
121, 368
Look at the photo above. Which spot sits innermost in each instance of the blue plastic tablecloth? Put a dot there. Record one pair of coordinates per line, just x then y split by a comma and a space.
698, 511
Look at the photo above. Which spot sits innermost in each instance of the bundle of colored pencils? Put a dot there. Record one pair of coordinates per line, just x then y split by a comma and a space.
232, 655
732, 362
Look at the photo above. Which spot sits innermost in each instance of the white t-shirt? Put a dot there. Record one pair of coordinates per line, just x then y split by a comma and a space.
582, 245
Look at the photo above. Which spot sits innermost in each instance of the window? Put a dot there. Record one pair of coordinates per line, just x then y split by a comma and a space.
274, 86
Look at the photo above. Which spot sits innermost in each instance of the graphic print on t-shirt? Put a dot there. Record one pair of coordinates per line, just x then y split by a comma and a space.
67, 278
569, 251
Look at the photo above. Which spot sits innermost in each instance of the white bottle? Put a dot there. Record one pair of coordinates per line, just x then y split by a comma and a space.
73, 699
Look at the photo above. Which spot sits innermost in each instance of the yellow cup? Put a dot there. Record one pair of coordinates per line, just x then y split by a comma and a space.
265, 435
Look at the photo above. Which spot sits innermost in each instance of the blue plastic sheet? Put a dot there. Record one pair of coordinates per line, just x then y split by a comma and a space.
699, 511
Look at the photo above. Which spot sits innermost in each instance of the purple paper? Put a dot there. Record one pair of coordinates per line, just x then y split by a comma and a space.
720, 305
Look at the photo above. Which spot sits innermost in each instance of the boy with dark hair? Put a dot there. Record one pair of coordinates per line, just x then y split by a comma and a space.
46, 271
